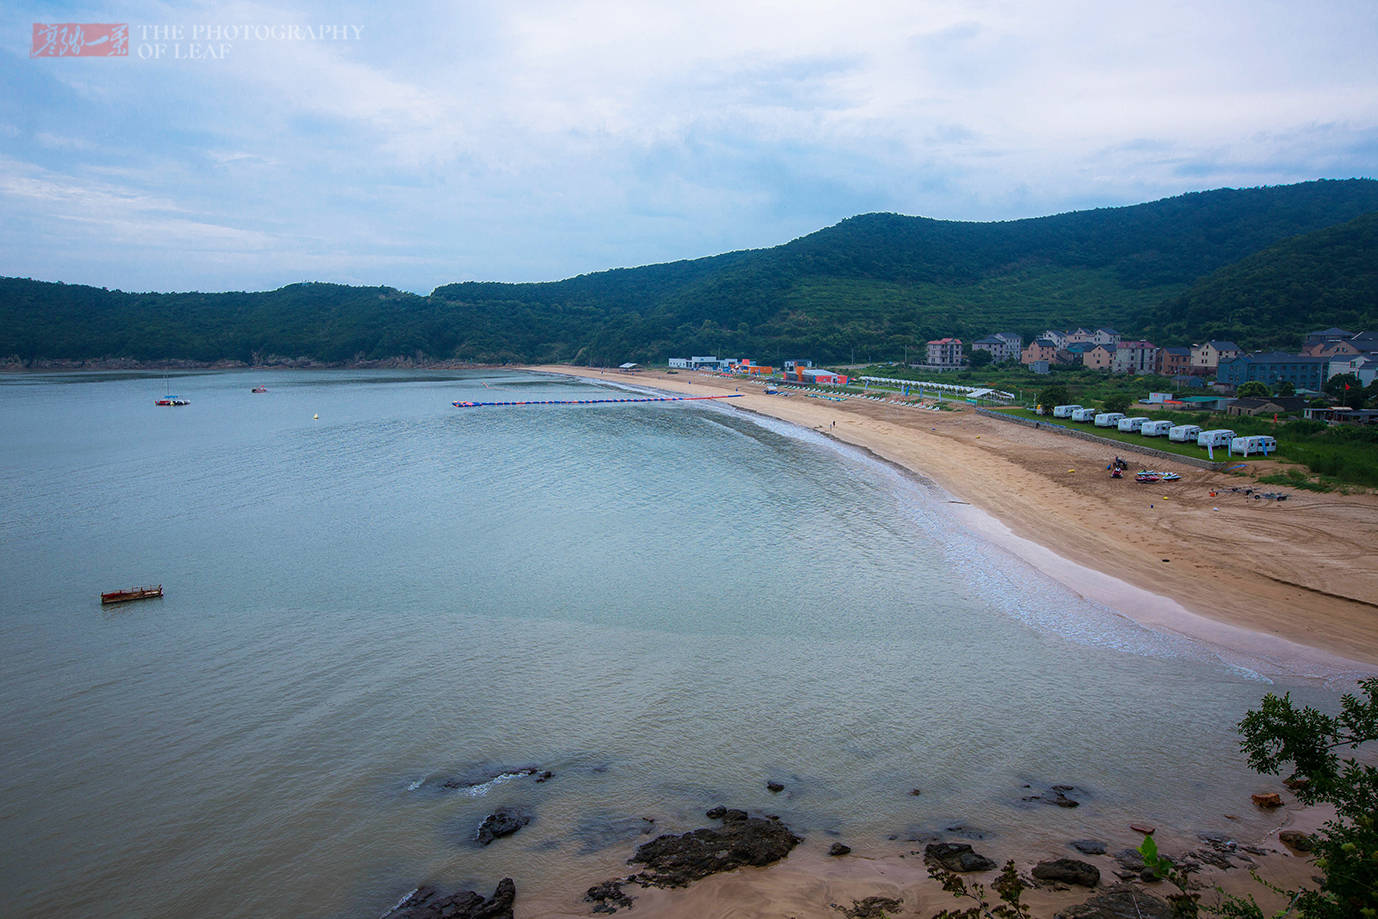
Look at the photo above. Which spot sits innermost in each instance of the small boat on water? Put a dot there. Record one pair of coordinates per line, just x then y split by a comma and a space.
172, 400
259, 389
133, 593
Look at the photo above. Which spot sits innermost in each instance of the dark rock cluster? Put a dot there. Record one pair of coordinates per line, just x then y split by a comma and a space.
427, 903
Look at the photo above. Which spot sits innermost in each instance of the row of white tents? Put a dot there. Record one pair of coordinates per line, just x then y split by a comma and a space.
1177, 433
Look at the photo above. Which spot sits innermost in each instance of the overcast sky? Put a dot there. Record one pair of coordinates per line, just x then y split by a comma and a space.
422, 143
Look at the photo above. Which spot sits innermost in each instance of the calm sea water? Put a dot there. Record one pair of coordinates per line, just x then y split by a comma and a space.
664, 604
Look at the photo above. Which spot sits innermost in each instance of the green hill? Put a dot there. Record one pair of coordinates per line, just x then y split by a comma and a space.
869, 287
1270, 298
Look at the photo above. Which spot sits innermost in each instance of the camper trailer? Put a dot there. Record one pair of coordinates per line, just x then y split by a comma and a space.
1064, 411
1108, 419
1257, 443
1132, 425
1218, 437
1155, 428
1084, 414
1183, 433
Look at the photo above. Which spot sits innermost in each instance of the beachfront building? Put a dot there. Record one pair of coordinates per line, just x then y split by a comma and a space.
700, 362
812, 377
1134, 357
1040, 349
1205, 358
1273, 367
945, 352
1172, 361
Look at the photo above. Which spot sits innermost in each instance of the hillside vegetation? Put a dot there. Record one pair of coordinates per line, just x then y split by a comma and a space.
1259, 265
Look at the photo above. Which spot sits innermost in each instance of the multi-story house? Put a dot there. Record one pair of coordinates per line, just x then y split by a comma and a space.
1040, 349
945, 352
1099, 357
1172, 361
1134, 357
1105, 337
1205, 358
1271, 367
1059, 339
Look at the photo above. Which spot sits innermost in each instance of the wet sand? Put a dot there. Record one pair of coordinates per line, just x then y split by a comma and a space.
1285, 587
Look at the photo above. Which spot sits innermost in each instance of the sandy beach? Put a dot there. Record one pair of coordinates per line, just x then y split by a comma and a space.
1286, 587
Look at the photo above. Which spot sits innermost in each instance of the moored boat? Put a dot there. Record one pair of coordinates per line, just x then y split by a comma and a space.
133, 593
259, 389
172, 400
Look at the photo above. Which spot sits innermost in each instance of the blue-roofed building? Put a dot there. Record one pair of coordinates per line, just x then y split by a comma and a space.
1272, 367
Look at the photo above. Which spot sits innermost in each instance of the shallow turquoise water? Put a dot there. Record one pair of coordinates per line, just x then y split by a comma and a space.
665, 604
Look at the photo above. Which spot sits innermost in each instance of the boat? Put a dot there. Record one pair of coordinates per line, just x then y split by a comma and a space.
1169, 476
259, 389
172, 400
1146, 476
133, 593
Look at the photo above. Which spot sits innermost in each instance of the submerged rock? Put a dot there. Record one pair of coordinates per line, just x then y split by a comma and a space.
1300, 842
1123, 901
838, 848
1068, 871
1088, 846
870, 908
426, 903
676, 861
499, 824
609, 897
957, 856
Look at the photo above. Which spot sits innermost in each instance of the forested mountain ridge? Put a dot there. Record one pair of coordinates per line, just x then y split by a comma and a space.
869, 286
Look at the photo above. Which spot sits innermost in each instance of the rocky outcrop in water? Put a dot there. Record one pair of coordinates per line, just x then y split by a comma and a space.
742, 840
608, 897
499, 824
1058, 795
427, 903
956, 856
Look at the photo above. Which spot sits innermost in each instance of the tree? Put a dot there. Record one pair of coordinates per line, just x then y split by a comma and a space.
1055, 394
1347, 388
1253, 389
1116, 403
980, 358
1284, 388
1279, 735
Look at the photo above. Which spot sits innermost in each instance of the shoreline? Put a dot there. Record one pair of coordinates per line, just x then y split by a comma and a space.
1110, 541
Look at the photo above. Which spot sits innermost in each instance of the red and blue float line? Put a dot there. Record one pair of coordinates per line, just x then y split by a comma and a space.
735, 395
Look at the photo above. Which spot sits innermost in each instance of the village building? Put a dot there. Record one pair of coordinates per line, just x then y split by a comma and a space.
1273, 367
1099, 357
945, 352
1173, 361
1267, 406
1205, 358
1134, 357
1040, 349
1105, 337
1059, 339
1000, 346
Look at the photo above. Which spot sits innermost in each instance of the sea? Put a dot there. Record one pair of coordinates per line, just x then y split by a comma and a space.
385, 618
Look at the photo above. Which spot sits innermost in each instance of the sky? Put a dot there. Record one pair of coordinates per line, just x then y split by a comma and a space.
247, 145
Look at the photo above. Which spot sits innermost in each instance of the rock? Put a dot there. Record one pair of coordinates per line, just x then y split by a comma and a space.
870, 908
545, 776
1300, 842
1131, 860
1055, 795
609, 897
1068, 871
839, 849
774, 787
1088, 846
957, 856
715, 813
1295, 783
676, 861
499, 824
1268, 800
1146, 828
426, 903
914, 792
1123, 901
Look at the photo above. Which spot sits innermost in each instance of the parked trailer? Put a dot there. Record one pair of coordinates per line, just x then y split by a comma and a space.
1256, 443
1132, 425
1218, 437
1064, 411
1108, 419
1084, 414
1183, 433
1156, 428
